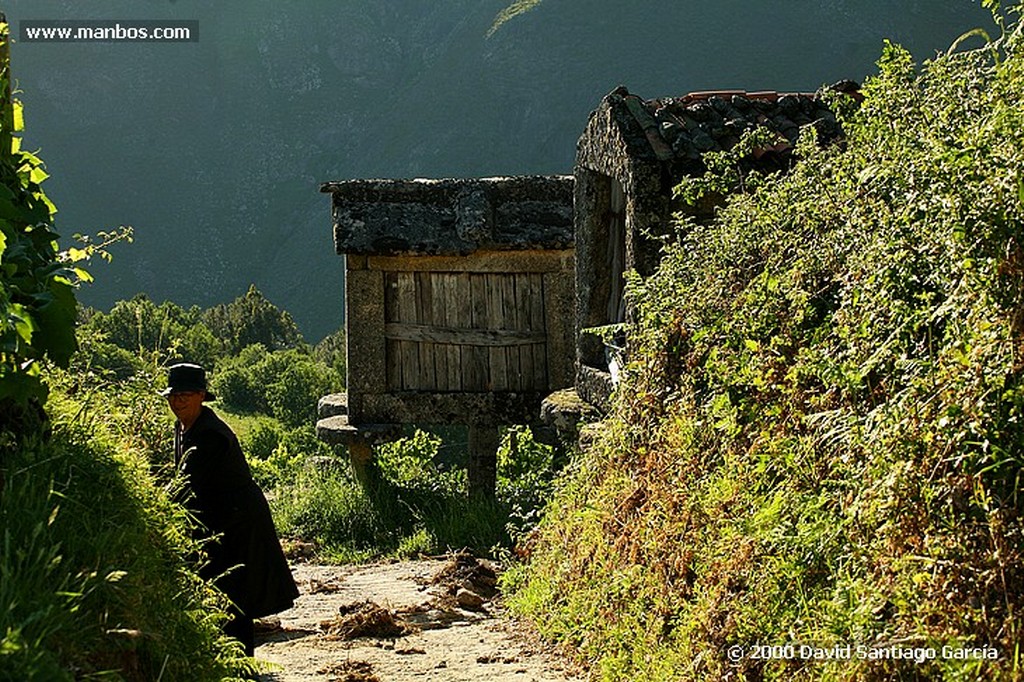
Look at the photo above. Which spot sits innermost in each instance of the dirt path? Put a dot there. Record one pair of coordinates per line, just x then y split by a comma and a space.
398, 622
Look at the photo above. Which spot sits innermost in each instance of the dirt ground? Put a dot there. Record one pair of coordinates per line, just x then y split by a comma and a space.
413, 620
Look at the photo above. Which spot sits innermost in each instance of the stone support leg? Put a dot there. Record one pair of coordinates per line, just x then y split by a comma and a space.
360, 455
483, 460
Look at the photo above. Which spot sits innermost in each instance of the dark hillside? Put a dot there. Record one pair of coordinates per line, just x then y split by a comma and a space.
213, 150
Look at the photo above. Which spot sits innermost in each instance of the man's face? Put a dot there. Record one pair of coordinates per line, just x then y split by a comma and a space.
186, 405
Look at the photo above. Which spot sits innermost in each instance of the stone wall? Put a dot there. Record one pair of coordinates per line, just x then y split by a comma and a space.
456, 297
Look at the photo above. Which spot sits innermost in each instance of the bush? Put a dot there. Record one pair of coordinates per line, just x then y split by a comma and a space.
526, 470
234, 386
262, 440
141, 328
328, 507
95, 553
286, 384
37, 300
817, 441
410, 463
295, 391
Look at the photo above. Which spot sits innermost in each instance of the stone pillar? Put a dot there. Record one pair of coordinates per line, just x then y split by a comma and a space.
483, 460
359, 441
360, 456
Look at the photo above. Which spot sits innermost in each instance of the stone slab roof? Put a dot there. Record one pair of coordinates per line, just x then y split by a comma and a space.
451, 216
678, 130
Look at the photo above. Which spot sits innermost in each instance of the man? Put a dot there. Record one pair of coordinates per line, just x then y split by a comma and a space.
244, 556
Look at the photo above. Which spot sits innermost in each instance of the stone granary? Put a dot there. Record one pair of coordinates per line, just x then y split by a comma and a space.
631, 155
456, 300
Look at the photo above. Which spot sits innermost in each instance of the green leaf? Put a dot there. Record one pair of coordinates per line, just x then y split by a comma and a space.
38, 175
57, 324
10, 211
19, 116
50, 208
76, 255
21, 319
20, 386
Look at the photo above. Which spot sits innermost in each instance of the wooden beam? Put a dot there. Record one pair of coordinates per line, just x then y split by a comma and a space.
479, 261
499, 338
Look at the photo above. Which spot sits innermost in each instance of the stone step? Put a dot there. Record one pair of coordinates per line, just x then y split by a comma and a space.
337, 430
332, 405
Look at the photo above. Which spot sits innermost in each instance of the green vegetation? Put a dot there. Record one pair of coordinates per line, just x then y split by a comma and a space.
138, 330
268, 390
285, 384
95, 580
819, 439
418, 501
267, 381
37, 301
252, 319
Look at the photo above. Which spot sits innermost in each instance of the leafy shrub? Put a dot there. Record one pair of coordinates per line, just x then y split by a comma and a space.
148, 332
410, 463
294, 393
526, 470
295, 450
166, 331
817, 439
286, 384
94, 554
37, 301
262, 439
96, 356
235, 387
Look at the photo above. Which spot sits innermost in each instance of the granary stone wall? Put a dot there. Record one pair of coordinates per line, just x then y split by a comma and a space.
456, 297
451, 216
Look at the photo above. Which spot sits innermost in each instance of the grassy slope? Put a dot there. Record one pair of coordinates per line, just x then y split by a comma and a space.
820, 438
92, 575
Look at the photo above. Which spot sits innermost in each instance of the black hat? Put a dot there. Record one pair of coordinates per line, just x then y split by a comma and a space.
185, 377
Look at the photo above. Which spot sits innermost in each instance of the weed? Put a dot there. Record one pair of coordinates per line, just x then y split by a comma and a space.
815, 441
93, 575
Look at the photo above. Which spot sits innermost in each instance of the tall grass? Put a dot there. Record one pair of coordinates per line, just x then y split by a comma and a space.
417, 501
818, 441
94, 581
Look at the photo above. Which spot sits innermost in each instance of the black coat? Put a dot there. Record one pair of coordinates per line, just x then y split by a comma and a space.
246, 560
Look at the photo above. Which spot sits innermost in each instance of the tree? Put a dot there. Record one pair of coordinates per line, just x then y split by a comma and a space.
331, 351
139, 326
252, 319
37, 300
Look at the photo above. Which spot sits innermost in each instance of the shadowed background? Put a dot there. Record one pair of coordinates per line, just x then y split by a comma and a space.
214, 150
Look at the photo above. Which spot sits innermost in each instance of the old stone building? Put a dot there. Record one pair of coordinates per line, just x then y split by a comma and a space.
465, 301
456, 301
631, 155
